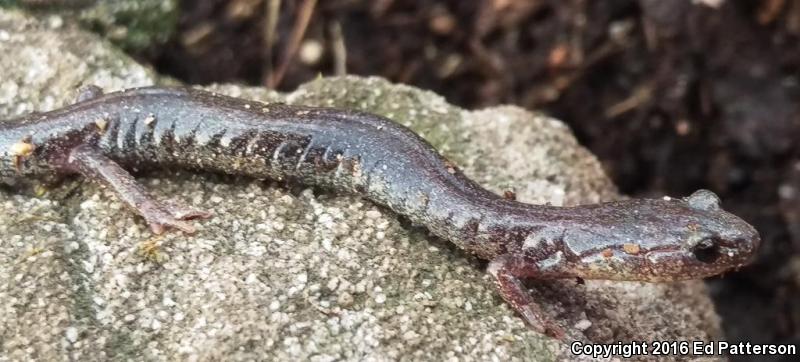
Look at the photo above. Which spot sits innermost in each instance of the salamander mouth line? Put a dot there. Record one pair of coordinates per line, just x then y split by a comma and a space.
706, 252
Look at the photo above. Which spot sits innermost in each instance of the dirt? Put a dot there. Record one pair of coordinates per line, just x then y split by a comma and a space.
671, 95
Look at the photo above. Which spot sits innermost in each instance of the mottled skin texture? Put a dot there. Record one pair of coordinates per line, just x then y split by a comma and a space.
102, 136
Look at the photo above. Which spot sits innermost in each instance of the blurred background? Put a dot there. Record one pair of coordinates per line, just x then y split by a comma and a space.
672, 96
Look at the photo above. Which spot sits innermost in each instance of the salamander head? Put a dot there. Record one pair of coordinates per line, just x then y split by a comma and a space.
667, 239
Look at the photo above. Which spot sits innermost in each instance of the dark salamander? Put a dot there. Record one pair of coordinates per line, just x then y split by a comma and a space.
102, 135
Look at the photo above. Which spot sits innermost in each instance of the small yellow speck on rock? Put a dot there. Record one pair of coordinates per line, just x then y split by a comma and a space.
149, 249
40, 190
36, 250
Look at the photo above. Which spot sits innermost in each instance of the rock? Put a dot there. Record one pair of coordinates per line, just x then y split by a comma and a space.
51, 59
133, 25
292, 274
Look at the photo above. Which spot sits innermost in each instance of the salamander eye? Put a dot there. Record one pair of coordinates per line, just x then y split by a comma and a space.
707, 251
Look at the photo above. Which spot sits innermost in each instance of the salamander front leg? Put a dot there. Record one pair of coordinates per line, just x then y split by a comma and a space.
92, 164
507, 271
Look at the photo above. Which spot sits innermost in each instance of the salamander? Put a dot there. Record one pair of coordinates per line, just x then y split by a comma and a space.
102, 136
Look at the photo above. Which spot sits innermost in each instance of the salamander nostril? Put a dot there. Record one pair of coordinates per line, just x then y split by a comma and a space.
707, 251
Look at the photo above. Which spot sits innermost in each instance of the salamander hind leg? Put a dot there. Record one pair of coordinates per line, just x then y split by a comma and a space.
507, 271
92, 164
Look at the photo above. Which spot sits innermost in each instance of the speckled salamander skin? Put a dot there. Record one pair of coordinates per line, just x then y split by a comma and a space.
102, 136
